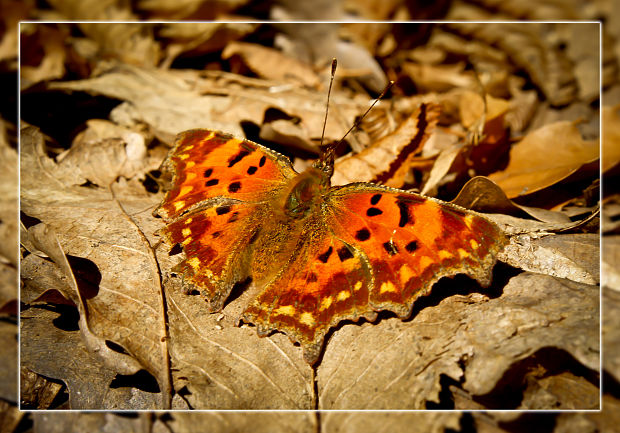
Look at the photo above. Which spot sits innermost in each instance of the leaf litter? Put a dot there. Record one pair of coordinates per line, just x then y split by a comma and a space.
216, 364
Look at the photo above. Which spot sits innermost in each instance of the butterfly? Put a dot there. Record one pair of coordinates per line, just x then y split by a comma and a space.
318, 254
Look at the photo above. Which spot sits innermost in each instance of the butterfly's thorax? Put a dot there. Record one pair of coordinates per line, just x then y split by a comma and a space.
304, 194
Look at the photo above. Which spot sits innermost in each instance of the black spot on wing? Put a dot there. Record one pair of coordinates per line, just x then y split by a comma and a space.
390, 247
411, 246
238, 157
362, 235
375, 199
208, 172
325, 256
403, 208
344, 254
212, 182
176, 249
373, 211
216, 235
234, 187
221, 210
262, 161
252, 169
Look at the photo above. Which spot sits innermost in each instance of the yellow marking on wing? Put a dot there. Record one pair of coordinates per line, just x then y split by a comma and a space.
343, 295
189, 147
184, 156
443, 254
474, 244
387, 286
190, 176
187, 240
188, 221
287, 310
307, 319
462, 253
208, 137
405, 274
178, 205
190, 164
186, 232
425, 262
325, 303
469, 219
357, 286
185, 189
194, 262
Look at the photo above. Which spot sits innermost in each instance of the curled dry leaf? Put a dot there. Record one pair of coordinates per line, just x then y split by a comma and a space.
545, 157
91, 226
271, 64
482, 195
388, 160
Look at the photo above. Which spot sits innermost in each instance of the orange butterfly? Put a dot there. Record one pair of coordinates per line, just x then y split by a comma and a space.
319, 254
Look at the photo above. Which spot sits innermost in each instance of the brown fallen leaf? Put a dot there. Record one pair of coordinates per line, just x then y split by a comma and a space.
8, 362
547, 67
482, 195
169, 102
87, 380
271, 64
52, 65
388, 160
473, 339
610, 117
545, 157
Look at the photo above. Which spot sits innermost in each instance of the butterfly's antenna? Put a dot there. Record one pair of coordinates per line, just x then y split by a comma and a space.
329, 92
328, 157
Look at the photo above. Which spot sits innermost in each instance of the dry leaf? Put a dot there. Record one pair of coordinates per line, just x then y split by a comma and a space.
8, 362
473, 339
547, 66
482, 195
198, 38
170, 102
88, 382
611, 137
388, 160
52, 64
271, 64
574, 257
545, 157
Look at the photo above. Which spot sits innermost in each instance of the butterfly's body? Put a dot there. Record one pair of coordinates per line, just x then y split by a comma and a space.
318, 254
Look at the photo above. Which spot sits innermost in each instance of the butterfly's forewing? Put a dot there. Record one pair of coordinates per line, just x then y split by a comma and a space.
411, 241
220, 194
209, 164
